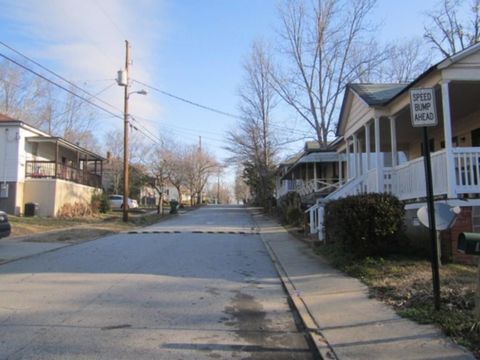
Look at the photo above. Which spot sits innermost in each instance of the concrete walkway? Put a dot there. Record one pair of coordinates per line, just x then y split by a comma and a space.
353, 325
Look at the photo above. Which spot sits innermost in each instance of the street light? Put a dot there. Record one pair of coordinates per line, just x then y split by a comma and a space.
122, 80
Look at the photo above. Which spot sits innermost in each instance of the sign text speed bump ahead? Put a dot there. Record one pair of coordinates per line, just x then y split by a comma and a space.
422, 106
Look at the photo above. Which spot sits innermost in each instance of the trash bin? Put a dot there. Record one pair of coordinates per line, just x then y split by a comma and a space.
31, 209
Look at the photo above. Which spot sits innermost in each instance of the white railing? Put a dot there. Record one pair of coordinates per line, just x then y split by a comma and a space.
467, 170
371, 181
387, 180
316, 213
318, 186
408, 180
352, 187
287, 186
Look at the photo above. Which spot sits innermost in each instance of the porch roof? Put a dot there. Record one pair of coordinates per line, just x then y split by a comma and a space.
62, 142
381, 95
315, 157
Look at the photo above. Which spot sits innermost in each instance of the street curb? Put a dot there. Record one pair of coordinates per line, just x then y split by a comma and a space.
312, 329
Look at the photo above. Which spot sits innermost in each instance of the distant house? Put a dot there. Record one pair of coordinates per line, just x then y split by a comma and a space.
313, 173
380, 151
38, 168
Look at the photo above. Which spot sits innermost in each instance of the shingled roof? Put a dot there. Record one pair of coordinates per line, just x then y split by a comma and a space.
377, 94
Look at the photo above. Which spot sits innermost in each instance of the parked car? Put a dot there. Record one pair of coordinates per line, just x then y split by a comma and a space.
4, 225
116, 202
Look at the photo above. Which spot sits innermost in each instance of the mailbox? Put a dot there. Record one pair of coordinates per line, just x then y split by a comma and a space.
469, 243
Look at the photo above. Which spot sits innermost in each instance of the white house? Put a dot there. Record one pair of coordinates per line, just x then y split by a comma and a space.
312, 173
382, 150
38, 168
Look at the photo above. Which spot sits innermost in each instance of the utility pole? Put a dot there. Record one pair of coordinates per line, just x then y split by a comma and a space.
218, 188
125, 136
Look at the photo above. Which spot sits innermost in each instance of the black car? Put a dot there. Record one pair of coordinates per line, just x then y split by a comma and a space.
4, 225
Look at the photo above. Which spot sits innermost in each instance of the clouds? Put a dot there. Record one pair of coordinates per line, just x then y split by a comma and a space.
84, 40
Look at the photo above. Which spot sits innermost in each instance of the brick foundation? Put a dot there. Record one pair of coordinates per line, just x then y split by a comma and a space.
450, 238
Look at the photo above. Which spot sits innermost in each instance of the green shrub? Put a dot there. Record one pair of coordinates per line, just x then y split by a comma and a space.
295, 216
173, 206
365, 225
99, 203
287, 208
104, 203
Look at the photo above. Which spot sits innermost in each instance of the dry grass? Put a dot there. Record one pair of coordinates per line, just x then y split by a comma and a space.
77, 229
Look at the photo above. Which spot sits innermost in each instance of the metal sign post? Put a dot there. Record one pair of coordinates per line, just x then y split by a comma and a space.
423, 113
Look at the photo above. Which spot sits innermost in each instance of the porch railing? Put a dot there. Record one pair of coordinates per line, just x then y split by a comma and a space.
320, 186
407, 181
288, 186
46, 169
467, 170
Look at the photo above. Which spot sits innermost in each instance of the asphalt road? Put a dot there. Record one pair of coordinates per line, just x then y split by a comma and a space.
199, 286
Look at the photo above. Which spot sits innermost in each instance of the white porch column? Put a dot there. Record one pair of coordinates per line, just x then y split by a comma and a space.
359, 155
367, 144
348, 175
315, 176
393, 140
378, 160
340, 169
355, 154
447, 131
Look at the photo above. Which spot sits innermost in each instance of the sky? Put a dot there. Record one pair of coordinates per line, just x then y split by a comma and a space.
190, 48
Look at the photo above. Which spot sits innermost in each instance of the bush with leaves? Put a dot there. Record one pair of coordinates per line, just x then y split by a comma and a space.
365, 225
99, 203
173, 206
289, 207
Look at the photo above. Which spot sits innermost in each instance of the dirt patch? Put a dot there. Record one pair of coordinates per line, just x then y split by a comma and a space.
38, 229
71, 236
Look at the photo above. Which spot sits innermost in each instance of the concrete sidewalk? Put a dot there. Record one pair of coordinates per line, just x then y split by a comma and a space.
339, 309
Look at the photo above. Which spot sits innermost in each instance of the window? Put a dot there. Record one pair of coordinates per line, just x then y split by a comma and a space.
3, 191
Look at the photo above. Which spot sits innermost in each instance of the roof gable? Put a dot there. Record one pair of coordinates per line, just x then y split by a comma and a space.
377, 94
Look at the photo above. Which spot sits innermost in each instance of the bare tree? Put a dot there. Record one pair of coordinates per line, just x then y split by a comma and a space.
253, 143
113, 170
449, 31
326, 46
174, 165
36, 102
404, 61
21, 95
200, 166
241, 190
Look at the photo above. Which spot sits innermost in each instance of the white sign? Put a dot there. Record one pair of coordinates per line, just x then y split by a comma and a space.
422, 106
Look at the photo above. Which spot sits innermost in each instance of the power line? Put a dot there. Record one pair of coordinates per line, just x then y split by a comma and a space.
63, 87
52, 73
209, 108
221, 112
109, 18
